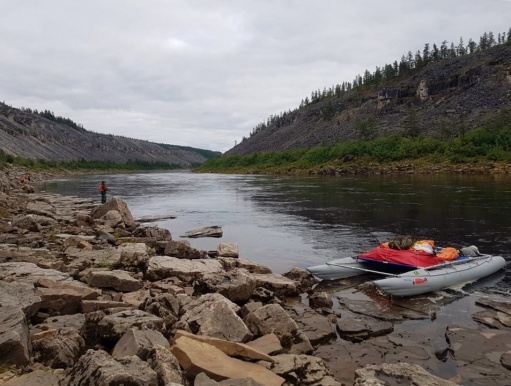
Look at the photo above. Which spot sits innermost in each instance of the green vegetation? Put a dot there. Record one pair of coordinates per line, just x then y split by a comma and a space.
85, 165
205, 153
485, 144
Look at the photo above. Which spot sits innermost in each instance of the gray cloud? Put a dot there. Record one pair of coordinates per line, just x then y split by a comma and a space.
203, 74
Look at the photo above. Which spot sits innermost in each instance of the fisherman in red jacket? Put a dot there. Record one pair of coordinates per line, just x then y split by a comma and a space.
103, 189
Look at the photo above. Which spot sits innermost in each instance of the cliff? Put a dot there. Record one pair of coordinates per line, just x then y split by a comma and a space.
444, 100
28, 135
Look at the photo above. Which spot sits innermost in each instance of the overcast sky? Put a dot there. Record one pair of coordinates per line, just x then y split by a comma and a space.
204, 73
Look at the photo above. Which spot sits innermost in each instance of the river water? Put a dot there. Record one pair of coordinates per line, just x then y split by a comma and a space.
296, 221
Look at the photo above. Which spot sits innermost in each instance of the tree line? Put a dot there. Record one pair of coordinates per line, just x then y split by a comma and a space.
408, 65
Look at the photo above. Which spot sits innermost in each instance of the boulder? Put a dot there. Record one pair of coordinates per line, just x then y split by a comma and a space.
199, 357
139, 342
99, 368
112, 327
271, 318
160, 234
33, 222
113, 219
237, 285
65, 297
58, 348
119, 280
211, 231
304, 277
278, 284
320, 300
20, 295
133, 255
230, 263
161, 267
216, 316
228, 250
15, 346
182, 250
166, 366
116, 204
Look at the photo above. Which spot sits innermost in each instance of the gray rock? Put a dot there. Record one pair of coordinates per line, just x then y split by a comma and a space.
182, 250
359, 329
116, 279
117, 204
237, 285
320, 300
216, 316
139, 342
316, 327
166, 365
161, 267
35, 378
20, 295
97, 368
272, 318
15, 345
113, 327
373, 375
59, 348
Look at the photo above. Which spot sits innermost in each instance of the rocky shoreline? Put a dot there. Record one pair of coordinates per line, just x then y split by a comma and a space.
91, 296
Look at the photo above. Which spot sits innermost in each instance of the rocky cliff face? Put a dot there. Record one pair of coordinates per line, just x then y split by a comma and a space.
443, 100
31, 136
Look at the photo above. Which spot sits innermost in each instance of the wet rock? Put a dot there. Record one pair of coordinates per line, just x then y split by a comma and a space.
15, 345
116, 279
302, 370
359, 329
320, 300
237, 285
482, 365
410, 374
139, 342
197, 357
99, 368
304, 277
211, 231
316, 327
372, 309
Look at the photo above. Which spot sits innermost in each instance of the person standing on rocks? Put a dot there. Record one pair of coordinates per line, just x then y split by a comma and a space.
103, 189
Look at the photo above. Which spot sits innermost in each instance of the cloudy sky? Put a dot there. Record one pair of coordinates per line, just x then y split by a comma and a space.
204, 73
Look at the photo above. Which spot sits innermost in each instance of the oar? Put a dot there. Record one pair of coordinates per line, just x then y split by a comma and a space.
363, 269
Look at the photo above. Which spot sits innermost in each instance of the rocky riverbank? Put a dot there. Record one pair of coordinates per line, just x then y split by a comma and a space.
91, 296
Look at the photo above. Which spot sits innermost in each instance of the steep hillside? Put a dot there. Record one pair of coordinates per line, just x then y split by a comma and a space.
444, 99
28, 135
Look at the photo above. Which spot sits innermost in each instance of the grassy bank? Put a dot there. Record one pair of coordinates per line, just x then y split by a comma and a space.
483, 149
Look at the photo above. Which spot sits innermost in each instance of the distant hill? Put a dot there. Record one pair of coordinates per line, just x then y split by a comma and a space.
442, 97
30, 135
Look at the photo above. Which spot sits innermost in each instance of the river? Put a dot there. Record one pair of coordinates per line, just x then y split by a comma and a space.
296, 221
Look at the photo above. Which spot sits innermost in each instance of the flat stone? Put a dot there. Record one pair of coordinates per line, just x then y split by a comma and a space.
139, 342
268, 344
161, 267
35, 378
197, 357
119, 280
359, 329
